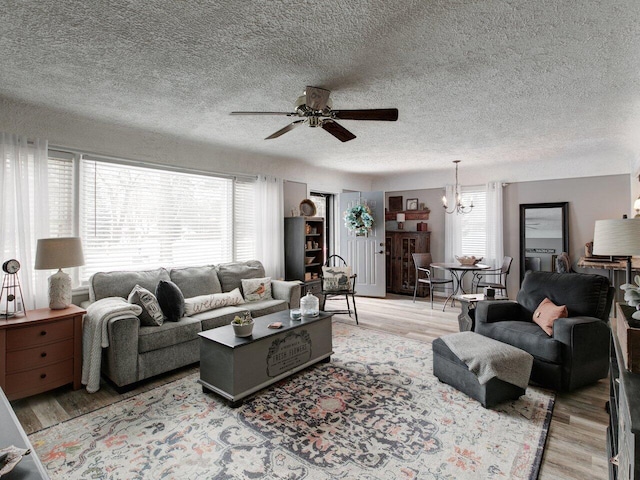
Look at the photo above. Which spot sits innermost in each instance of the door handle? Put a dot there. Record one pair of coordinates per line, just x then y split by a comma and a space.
381, 251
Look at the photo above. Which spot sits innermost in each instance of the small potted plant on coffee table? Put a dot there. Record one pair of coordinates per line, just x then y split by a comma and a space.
242, 325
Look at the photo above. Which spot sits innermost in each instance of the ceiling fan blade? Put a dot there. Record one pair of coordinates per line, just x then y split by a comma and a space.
338, 131
387, 114
317, 98
289, 114
284, 130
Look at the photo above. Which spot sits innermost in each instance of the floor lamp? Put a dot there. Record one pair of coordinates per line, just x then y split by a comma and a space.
619, 237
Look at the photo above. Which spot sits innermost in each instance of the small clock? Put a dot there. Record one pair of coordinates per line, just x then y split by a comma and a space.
11, 266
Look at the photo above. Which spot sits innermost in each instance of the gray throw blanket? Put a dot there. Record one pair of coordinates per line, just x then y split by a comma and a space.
95, 337
488, 358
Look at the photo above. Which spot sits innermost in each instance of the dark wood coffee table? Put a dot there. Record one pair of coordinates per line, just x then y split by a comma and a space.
235, 367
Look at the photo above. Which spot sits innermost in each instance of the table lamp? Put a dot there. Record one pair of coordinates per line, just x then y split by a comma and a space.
400, 217
619, 237
59, 253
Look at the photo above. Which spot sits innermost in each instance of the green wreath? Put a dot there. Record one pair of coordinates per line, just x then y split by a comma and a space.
359, 219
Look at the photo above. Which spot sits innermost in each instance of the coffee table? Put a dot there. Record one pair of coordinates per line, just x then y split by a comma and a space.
235, 367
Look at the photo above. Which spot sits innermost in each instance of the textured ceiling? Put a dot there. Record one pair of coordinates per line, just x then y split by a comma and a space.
493, 83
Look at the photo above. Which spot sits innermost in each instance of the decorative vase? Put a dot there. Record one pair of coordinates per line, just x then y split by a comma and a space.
309, 305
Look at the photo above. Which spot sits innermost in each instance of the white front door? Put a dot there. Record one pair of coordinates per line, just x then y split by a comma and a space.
365, 254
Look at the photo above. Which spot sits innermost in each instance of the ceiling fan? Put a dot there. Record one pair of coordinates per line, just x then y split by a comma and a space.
315, 108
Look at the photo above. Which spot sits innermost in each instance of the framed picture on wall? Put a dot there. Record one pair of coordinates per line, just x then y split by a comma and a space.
412, 204
395, 204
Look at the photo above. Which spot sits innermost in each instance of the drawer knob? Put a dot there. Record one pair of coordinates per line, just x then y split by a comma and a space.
43, 332
43, 354
43, 375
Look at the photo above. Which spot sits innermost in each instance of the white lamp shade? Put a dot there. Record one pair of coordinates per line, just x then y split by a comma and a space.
617, 237
55, 253
400, 217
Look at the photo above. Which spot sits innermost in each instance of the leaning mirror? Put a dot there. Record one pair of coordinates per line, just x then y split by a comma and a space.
544, 234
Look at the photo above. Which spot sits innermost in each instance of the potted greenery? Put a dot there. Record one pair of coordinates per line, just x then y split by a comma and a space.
242, 325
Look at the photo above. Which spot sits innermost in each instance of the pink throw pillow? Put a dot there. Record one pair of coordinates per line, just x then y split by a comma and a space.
547, 313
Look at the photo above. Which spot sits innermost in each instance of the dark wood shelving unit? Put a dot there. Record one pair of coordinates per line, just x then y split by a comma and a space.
298, 232
409, 215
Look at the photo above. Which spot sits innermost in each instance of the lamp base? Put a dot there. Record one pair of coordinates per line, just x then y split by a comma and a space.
59, 290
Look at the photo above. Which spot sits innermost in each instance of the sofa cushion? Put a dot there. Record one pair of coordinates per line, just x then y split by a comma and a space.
120, 284
527, 336
151, 315
547, 313
265, 307
231, 274
196, 281
170, 299
256, 289
168, 334
218, 317
585, 295
203, 303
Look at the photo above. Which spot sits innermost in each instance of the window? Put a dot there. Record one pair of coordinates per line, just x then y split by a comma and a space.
143, 217
473, 225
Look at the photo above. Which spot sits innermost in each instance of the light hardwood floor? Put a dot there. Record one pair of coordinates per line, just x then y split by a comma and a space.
575, 448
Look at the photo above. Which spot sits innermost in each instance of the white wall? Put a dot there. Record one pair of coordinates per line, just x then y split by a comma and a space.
63, 129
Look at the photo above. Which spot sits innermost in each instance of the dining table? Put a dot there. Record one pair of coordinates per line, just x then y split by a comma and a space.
458, 271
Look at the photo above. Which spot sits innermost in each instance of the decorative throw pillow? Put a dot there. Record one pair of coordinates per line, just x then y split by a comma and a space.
203, 303
171, 300
547, 313
256, 289
151, 315
336, 279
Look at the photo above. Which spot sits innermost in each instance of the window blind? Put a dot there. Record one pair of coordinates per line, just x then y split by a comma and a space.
474, 223
244, 211
61, 194
133, 217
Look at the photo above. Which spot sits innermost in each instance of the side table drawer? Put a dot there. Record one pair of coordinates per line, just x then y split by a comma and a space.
38, 380
25, 337
39, 356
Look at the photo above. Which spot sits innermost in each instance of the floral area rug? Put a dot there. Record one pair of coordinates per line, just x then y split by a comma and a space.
375, 412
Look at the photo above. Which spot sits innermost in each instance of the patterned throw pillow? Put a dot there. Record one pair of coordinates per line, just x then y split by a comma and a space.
203, 303
547, 313
151, 315
171, 300
256, 289
336, 279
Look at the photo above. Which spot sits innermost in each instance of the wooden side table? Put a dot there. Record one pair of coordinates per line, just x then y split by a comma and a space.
466, 319
40, 351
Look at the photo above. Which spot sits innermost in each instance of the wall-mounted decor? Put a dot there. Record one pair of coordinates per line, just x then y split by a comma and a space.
412, 204
395, 204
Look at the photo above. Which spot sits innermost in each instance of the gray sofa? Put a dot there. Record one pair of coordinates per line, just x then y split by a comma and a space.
137, 352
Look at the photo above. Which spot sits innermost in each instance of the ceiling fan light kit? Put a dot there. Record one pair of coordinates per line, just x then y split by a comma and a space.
315, 108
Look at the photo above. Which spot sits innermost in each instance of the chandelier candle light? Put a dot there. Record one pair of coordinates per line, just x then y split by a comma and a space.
459, 206
59, 253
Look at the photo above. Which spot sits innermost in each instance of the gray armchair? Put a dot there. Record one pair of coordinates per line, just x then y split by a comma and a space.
577, 353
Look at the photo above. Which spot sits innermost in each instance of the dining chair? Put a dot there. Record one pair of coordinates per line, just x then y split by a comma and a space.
498, 277
424, 275
338, 281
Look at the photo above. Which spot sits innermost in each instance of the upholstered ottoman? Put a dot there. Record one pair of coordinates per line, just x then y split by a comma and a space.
489, 371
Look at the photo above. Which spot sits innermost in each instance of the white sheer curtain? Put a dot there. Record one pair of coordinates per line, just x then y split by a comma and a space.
452, 229
495, 240
24, 211
270, 225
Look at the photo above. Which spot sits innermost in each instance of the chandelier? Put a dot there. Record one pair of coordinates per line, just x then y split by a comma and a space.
459, 206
